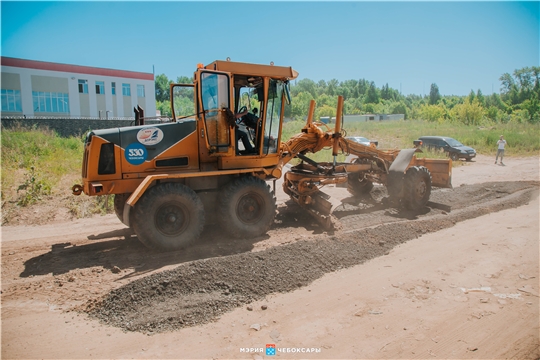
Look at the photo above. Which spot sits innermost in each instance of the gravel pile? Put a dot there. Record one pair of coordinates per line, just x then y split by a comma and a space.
200, 291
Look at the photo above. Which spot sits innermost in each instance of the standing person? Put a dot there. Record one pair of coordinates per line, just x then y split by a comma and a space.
500, 149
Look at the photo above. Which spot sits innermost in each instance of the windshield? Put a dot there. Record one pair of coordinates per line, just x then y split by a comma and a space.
453, 142
273, 112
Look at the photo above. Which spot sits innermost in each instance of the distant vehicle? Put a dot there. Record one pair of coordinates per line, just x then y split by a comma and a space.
454, 148
364, 141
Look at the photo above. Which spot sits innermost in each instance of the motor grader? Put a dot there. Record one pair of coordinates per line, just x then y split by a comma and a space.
167, 178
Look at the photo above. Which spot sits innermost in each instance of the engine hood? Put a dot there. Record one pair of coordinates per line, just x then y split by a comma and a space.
463, 148
156, 138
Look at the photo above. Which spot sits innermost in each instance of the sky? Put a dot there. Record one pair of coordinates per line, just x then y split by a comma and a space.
460, 46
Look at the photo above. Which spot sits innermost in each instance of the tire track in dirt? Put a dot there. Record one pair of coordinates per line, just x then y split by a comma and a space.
200, 291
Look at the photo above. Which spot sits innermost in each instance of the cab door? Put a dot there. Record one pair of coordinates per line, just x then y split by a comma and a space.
215, 99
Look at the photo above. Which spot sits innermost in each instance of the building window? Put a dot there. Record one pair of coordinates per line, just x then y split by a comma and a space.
83, 86
113, 88
140, 90
11, 100
100, 87
126, 90
50, 102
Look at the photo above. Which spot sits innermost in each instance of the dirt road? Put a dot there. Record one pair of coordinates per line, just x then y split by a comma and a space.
458, 280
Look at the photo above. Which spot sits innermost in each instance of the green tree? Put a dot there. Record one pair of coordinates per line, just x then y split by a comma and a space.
480, 97
432, 112
399, 108
352, 106
184, 80
492, 113
325, 110
309, 86
469, 113
322, 86
363, 86
472, 96
507, 83
434, 95
164, 107
496, 101
300, 105
533, 108
372, 94
369, 108
327, 100
162, 87
332, 87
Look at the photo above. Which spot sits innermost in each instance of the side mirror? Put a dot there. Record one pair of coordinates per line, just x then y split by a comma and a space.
287, 93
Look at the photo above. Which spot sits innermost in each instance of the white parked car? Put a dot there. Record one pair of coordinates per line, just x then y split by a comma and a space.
362, 140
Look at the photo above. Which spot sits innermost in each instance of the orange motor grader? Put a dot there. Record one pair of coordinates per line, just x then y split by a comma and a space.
213, 160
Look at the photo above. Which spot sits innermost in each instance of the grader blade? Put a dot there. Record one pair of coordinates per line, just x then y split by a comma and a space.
320, 207
302, 184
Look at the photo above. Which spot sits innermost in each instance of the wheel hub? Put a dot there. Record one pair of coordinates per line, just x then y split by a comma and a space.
421, 189
249, 208
171, 219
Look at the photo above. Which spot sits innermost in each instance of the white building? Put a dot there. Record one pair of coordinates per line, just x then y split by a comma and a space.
37, 88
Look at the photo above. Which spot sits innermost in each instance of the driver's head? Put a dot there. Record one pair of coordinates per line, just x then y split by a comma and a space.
255, 111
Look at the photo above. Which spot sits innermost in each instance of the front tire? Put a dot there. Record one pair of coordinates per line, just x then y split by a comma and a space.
454, 156
247, 207
168, 217
357, 184
416, 187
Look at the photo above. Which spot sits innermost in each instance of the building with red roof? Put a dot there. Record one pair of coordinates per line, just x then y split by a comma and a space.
32, 88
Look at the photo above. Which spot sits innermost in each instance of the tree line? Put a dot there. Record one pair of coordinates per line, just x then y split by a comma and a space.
519, 100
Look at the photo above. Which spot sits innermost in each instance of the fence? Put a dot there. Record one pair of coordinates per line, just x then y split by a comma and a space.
72, 126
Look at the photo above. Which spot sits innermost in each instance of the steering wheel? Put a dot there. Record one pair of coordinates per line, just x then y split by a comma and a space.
242, 109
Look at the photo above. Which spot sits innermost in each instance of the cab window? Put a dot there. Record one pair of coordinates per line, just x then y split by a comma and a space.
215, 97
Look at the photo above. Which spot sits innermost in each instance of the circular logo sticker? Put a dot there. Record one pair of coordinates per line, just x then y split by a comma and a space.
150, 136
135, 154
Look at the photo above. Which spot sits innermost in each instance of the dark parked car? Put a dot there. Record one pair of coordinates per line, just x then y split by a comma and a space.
454, 148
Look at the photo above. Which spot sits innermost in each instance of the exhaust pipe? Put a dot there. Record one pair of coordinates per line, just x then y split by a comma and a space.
77, 189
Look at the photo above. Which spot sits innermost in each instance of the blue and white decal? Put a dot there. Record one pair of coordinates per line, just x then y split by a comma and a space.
135, 154
150, 136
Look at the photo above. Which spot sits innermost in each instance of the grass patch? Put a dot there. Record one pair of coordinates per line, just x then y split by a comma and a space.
39, 166
523, 139
40, 155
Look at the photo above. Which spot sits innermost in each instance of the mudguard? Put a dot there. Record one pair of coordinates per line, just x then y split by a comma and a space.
397, 169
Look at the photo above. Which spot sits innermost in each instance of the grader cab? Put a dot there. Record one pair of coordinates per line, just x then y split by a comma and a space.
214, 159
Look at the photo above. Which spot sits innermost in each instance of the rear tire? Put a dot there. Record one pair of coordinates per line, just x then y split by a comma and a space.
247, 207
454, 156
119, 204
357, 185
168, 217
416, 187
